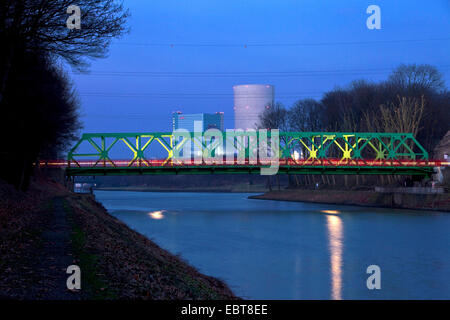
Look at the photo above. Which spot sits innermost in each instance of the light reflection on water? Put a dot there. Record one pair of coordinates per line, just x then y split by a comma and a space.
287, 250
157, 215
335, 234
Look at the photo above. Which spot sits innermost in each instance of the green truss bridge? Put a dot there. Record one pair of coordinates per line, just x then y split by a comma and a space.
160, 153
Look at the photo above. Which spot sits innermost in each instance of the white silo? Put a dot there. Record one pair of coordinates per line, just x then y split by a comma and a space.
250, 101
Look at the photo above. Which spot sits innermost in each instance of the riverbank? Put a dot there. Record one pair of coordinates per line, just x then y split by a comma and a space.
435, 202
233, 189
48, 227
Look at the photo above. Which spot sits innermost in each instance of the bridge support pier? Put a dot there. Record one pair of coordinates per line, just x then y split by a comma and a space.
70, 183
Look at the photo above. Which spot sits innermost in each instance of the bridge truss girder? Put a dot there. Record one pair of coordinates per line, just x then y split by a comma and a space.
321, 153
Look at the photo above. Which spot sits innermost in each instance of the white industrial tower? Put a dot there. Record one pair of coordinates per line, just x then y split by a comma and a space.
250, 101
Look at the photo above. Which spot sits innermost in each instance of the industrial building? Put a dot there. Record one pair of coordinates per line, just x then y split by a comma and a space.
206, 121
250, 101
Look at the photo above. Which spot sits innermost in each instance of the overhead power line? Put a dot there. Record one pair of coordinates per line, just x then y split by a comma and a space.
197, 94
191, 96
298, 73
168, 117
292, 44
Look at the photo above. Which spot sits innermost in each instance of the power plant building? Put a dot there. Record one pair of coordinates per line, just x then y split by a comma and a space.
250, 101
205, 120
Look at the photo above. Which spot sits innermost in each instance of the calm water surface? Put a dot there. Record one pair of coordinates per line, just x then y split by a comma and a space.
287, 250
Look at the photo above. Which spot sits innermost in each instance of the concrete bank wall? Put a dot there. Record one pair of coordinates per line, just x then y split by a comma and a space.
436, 201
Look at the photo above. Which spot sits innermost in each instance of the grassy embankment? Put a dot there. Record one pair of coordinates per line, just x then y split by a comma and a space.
124, 264
116, 262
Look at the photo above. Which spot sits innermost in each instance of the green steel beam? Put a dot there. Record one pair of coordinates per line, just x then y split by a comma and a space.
99, 171
320, 146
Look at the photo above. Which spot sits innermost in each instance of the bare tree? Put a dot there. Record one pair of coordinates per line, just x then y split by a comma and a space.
36, 98
41, 26
405, 116
306, 115
39, 117
417, 77
274, 117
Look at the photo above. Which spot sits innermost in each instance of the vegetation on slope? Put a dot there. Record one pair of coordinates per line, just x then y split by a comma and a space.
115, 261
128, 264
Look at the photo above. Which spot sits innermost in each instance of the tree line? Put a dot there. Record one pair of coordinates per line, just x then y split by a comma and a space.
413, 99
38, 103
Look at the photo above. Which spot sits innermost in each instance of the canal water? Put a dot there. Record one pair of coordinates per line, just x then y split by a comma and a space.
287, 250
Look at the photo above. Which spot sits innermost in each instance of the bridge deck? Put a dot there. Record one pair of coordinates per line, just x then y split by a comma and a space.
286, 166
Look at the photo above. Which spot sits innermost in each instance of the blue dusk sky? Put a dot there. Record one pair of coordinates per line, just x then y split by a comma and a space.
187, 55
